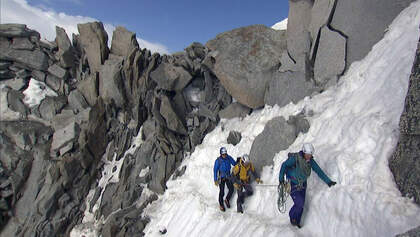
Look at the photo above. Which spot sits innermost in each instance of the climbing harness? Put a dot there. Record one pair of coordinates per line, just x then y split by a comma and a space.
283, 193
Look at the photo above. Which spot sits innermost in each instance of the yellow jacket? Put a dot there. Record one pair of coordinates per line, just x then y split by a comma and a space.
244, 171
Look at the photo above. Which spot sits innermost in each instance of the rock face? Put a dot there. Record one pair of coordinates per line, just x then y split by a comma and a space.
405, 162
294, 86
363, 32
331, 56
298, 37
244, 59
278, 134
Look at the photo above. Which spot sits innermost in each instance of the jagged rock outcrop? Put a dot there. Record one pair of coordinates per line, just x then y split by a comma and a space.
244, 60
94, 41
123, 42
102, 101
405, 162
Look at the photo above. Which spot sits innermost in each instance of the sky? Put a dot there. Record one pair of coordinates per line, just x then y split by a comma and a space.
163, 26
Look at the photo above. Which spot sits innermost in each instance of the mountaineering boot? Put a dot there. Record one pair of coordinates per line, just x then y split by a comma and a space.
294, 222
239, 209
222, 208
227, 203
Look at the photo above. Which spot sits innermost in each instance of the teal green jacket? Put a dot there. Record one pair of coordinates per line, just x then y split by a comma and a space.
293, 172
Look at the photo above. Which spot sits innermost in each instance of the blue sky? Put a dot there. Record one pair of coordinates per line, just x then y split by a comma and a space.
171, 24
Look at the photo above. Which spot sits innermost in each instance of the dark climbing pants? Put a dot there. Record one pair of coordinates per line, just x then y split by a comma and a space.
229, 184
245, 191
298, 195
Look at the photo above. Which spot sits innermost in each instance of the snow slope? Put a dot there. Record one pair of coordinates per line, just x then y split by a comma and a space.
282, 25
354, 129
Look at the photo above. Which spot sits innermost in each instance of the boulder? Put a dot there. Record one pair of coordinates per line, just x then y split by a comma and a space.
15, 102
94, 41
234, 138
123, 42
57, 71
330, 57
110, 81
38, 75
288, 87
50, 106
362, 25
170, 77
22, 43
77, 101
15, 83
16, 30
65, 48
234, 110
55, 83
405, 162
298, 35
35, 59
90, 88
277, 135
196, 50
244, 60
173, 122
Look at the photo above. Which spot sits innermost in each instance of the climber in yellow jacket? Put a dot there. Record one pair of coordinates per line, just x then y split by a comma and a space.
241, 180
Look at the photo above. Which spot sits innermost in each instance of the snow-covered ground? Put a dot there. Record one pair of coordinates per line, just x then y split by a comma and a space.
354, 129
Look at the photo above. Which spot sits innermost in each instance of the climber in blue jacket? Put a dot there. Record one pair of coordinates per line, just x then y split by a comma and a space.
222, 176
298, 168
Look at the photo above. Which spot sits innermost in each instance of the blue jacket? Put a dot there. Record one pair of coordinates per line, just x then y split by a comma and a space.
222, 167
293, 172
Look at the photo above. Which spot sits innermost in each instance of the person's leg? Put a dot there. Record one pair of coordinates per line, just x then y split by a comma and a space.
248, 190
240, 200
298, 196
231, 189
221, 192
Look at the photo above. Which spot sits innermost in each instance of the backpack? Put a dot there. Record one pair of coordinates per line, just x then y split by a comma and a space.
303, 168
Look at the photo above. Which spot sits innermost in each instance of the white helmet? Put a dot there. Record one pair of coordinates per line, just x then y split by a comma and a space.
245, 158
307, 148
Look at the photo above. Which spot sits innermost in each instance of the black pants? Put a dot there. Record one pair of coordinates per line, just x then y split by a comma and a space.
229, 184
245, 191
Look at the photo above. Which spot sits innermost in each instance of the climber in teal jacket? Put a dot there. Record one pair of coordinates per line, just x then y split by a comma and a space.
298, 168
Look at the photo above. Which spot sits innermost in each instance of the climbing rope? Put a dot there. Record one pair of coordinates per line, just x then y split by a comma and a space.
284, 192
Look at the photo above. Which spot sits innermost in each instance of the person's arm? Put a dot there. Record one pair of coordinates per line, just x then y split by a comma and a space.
235, 178
319, 172
255, 174
231, 160
216, 169
290, 162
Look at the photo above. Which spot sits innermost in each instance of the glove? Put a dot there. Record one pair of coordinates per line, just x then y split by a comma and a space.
216, 182
332, 183
259, 181
237, 186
